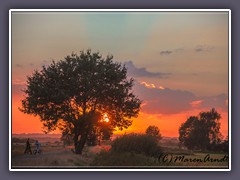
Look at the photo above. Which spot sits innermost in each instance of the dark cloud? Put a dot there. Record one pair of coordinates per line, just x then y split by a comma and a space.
199, 48
169, 101
204, 48
212, 101
167, 52
31, 65
142, 72
163, 101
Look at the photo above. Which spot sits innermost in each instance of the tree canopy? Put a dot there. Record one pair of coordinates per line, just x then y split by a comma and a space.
202, 131
74, 94
154, 132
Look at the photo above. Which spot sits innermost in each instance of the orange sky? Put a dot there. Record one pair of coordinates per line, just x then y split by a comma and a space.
168, 124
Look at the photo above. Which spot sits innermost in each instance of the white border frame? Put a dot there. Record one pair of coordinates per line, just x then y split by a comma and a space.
120, 10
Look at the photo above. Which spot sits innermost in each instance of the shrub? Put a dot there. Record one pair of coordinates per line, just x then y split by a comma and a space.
137, 143
123, 159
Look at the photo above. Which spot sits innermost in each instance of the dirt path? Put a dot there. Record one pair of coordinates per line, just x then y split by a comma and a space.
56, 157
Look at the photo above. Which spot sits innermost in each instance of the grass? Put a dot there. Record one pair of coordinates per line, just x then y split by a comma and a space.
52, 156
126, 159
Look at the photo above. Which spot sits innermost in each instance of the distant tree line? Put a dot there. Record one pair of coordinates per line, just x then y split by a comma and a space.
202, 132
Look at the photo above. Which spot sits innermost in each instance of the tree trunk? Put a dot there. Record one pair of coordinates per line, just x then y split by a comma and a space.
79, 144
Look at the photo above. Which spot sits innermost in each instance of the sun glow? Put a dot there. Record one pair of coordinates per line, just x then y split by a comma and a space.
105, 118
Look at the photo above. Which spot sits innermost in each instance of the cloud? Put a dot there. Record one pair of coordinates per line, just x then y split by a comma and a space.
19, 66
163, 100
178, 50
219, 101
167, 52
199, 48
204, 48
142, 72
196, 103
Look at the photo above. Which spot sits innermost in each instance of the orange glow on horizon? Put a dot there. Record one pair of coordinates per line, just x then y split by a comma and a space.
168, 124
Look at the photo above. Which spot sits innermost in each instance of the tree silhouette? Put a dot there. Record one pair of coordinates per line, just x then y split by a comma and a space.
202, 131
100, 131
154, 132
77, 91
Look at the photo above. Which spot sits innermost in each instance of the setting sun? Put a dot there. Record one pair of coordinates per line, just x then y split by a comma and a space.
105, 118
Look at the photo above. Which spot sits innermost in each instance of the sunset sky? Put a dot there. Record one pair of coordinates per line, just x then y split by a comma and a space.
179, 60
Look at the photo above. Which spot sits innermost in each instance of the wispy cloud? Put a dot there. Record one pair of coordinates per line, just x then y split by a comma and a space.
178, 50
167, 52
198, 48
204, 48
19, 66
143, 72
196, 103
171, 51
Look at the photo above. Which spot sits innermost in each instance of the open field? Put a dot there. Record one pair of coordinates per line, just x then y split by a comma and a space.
55, 155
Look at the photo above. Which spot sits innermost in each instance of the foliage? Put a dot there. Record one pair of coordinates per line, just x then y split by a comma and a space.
202, 131
137, 143
98, 133
154, 132
77, 91
223, 146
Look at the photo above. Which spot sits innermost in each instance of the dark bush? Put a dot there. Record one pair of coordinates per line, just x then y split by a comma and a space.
137, 143
123, 159
219, 147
